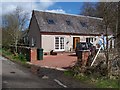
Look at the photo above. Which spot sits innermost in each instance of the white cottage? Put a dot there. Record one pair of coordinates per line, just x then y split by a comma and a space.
61, 32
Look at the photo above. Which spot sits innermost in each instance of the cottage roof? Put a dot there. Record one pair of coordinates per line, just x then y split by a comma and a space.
67, 23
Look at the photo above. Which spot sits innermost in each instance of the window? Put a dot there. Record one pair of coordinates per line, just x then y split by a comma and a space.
89, 40
68, 22
50, 21
83, 24
59, 44
33, 42
95, 39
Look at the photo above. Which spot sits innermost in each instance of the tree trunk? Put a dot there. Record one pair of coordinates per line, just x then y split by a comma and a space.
107, 54
16, 42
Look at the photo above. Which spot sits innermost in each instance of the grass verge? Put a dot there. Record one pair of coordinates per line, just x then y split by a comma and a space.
99, 82
19, 58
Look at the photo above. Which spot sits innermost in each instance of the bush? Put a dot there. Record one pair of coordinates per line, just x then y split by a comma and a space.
69, 73
20, 57
99, 82
6, 52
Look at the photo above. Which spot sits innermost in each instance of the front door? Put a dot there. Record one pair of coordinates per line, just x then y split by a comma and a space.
75, 41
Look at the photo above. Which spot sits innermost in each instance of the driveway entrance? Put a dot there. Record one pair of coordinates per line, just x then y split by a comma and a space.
62, 60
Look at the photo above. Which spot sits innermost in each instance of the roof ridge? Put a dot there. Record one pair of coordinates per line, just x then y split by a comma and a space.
69, 14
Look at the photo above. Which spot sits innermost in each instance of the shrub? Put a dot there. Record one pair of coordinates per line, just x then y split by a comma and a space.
69, 73
19, 57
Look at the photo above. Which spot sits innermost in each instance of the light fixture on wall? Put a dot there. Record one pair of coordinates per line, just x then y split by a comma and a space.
32, 42
67, 42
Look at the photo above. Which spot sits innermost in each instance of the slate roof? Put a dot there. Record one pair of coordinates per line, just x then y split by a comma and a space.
78, 24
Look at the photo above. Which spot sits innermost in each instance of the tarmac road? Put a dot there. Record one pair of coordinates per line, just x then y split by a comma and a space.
17, 76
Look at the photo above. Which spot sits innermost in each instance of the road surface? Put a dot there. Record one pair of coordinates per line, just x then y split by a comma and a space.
16, 76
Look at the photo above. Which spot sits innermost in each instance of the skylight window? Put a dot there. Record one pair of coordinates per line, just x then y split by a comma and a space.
68, 22
50, 21
83, 24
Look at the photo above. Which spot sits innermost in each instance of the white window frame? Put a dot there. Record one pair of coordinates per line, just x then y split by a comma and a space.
59, 44
91, 39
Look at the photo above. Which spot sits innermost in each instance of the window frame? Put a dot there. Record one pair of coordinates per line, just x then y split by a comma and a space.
84, 24
90, 39
50, 21
68, 22
59, 43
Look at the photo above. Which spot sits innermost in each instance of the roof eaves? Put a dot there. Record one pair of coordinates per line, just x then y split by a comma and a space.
37, 21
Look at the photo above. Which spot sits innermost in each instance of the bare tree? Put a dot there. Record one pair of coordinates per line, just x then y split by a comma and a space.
118, 29
89, 9
109, 14
13, 24
108, 11
96, 10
